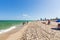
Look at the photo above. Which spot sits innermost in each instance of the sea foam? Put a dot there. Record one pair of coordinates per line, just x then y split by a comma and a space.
6, 30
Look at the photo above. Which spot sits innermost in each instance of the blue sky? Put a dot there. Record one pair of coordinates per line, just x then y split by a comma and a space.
29, 9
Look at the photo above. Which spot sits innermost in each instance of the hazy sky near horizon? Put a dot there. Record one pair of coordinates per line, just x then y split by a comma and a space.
29, 9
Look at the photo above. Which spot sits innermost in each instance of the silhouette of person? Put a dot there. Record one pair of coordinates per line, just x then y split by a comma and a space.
48, 22
23, 23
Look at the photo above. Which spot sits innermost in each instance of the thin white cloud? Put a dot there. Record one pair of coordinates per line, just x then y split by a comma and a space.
26, 16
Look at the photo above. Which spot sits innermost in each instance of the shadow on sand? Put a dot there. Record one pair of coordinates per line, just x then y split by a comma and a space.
55, 28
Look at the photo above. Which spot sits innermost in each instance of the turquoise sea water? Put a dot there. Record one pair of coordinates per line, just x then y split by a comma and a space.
4, 24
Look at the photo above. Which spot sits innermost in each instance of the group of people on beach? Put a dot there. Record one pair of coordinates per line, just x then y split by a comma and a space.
48, 23
58, 25
25, 22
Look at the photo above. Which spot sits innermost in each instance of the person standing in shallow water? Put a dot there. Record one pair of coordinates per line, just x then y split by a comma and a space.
48, 22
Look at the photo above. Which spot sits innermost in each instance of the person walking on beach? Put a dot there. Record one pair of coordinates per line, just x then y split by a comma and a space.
48, 22
23, 23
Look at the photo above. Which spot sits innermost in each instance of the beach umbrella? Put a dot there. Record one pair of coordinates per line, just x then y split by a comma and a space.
58, 20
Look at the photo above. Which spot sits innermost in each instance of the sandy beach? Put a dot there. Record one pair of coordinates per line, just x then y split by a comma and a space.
34, 31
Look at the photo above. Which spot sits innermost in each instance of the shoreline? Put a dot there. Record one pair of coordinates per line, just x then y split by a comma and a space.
12, 30
7, 30
2, 31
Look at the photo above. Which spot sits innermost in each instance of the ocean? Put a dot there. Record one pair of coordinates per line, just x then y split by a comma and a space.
4, 24
7, 25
